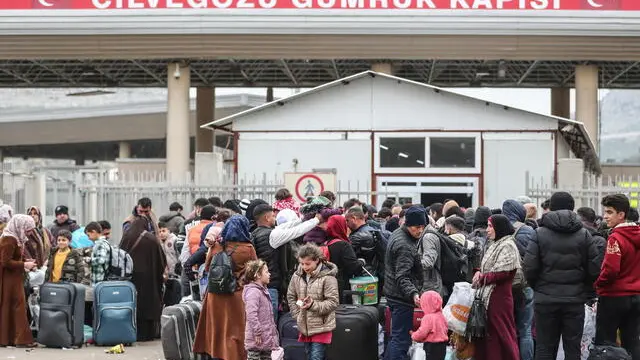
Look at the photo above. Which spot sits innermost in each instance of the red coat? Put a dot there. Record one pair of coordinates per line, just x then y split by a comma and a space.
620, 274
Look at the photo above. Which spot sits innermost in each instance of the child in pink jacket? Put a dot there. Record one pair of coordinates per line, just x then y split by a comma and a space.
260, 334
433, 328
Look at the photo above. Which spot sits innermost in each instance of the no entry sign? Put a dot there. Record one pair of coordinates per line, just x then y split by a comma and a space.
479, 5
305, 185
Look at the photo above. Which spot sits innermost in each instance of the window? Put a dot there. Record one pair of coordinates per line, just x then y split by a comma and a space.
402, 152
452, 152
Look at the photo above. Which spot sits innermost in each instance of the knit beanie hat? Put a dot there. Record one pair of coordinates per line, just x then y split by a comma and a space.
244, 204
481, 217
561, 201
415, 216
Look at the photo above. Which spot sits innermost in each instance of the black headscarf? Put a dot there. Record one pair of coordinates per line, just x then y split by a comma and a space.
501, 225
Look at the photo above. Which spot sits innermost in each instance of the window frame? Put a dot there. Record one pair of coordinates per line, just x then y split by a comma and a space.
427, 169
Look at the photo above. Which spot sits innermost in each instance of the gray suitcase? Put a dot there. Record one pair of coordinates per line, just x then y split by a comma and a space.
178, 330
61, 322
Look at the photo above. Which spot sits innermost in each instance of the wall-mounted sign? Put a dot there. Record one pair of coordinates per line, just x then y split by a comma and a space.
305, 185
624, 5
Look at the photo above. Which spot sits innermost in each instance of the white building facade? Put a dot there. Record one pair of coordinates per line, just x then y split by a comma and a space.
393, 135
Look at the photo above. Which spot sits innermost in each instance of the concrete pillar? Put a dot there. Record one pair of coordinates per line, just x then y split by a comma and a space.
269, 94
124, 150
561, 102
205, 112
178, 122
587, 101
384, 68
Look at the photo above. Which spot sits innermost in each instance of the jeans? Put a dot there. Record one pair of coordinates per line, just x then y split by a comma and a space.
315, 351
524, 321
553, 320
401, 324
435, 351
619, 313
274, 302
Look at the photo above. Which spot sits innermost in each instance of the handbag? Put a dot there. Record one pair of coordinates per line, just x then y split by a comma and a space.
477, 323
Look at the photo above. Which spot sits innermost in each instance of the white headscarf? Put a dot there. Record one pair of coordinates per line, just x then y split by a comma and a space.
18, 227
6, 211
285, 216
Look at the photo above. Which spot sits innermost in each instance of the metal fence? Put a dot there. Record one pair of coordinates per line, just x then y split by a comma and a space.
592, 190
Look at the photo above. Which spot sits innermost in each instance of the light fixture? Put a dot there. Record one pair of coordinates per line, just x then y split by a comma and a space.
91, 93
384, 147
502, 69
403, 155
420, 162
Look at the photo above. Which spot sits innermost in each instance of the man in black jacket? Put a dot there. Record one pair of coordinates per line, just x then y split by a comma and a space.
561, 265
368, 243
403, 280
265, 220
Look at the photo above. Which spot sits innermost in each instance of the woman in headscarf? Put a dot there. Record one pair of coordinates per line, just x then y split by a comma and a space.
6, 212
341, 253
48, 241
149, 269
14, 327
499, 266
221, 325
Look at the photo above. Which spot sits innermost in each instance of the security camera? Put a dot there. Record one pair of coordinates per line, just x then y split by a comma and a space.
176, 73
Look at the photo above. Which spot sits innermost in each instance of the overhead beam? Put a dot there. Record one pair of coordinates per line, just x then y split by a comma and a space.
199, 75
17, 76
572, 75
146, 70
55, 72
288, 71
621, 73
334, 65
528, 72
242, 71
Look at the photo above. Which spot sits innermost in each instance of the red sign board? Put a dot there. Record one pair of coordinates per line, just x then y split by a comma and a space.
531, 5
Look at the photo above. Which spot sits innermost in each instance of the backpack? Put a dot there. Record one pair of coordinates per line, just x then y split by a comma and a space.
454, 260
325, 248
120, 265
479, 239
221, 277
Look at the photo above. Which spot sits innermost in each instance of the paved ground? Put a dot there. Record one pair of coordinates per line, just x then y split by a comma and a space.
141, 351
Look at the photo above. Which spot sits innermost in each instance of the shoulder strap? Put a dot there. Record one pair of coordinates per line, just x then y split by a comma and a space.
331, 242
205, 231
138, 240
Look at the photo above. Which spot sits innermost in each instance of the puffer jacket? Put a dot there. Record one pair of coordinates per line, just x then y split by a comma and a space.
260, 321
322, 287
174, 221
70, 225
517, 214
74, 269
431, 262
562, 262
260, 238
403, 275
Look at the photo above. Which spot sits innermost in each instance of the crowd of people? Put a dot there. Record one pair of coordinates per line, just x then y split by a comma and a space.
532, 274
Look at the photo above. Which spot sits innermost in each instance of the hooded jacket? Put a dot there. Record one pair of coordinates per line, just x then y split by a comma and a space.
620, 275
433, 327
174, 221
260, 321
403, 275
322, 287
562, 261
517, 214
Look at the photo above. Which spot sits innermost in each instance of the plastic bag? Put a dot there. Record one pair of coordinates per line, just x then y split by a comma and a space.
588, 333
36, 278
457, 310
277, 354
416, 352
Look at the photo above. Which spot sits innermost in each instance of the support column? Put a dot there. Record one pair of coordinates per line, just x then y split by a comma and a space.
124, 150
561, 102
385, 68
205, 112
269, 94
587, 101
178, 122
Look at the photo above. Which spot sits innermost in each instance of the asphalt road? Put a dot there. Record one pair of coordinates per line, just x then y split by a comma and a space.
140, 351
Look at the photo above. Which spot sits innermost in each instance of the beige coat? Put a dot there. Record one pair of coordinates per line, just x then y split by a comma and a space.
322, 287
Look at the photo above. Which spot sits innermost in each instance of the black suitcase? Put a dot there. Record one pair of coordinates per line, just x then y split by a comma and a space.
172, 292
355, 324
288, 329
61, 315
178, 326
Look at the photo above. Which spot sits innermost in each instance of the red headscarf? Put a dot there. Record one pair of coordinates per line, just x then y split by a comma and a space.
337, 228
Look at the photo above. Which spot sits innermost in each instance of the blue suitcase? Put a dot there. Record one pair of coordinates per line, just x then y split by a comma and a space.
114, 313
